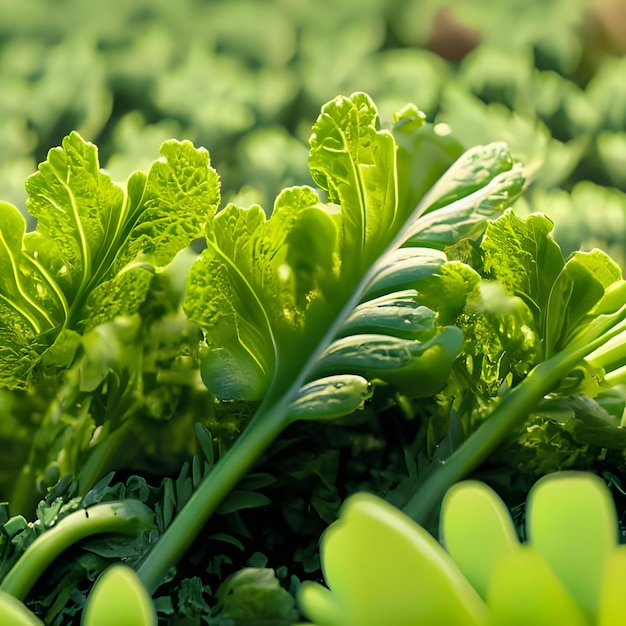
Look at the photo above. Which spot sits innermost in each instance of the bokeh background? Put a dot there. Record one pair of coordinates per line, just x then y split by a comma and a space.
246, 79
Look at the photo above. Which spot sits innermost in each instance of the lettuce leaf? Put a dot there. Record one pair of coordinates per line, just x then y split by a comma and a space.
96, 245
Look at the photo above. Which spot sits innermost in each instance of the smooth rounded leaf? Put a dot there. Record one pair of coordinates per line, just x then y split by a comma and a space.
119, 598
384, 568
571, 521
320, 604
331, 397
524, 591
477, 530
14, 613
612, 610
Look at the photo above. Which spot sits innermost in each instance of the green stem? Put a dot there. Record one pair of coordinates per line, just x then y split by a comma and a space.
228, 471
100, 459
123, 516
508, 415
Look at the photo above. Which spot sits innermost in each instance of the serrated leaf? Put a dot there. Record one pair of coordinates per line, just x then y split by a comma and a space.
76, 206
181, 192
96, 247
514, 251
250, 287
22, 315
353, 161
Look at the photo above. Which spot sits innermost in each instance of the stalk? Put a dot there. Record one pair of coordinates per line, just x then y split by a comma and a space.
262, 430
129, 517
508, 415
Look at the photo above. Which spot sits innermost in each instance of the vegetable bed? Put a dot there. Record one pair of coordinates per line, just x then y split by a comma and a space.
190, 392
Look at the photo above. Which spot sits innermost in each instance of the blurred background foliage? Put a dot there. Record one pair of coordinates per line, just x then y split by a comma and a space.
246, 79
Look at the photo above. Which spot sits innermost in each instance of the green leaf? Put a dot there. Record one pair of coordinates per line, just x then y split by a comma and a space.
476, 168
254, 594
448, 290
416, 369
577, 289
582, 497
251, 284
383, 568
13, 612
468, 215
78, 207
354, 163
181, 192
423, 156
522, 256
612, 610
477, 530
402, 269
96, 247
21, 315
400, 314
118, 597
241, 499
586, 421
525, 590
121, 295
331, 397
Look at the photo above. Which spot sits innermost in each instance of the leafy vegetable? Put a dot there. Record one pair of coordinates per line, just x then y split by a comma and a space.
534, 339
95, 249
392, 286
80, 300
272, 310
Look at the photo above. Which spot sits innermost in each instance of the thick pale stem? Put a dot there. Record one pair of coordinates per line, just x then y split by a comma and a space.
123, 516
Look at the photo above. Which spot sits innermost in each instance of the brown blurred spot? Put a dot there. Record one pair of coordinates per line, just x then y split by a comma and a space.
450, 39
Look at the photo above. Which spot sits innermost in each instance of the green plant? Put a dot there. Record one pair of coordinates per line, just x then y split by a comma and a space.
380, 565
291, 306
543, 350
402, 280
